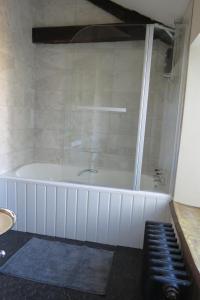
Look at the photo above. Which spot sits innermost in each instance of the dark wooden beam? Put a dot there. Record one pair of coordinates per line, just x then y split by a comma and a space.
132, 29
88, 34
94, 34
124, 14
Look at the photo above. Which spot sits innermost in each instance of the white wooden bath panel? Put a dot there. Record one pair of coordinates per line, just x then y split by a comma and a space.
86, 213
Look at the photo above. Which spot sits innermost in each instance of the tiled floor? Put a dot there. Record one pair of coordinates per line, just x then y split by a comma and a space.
123, 283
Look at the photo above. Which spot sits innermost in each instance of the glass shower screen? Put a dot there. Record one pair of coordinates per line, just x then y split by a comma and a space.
103, 109
161, 114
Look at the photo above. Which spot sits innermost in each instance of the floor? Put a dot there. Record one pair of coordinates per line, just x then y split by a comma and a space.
123, 283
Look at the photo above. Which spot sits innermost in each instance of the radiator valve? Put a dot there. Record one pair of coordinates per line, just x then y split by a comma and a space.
171, 292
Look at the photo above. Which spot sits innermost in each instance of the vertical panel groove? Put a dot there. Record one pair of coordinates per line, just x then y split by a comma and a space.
131, 219
66, 205
6, 193
120, 216
109, 212
25, 202
87, 208
45, 209
15, 201
96, 233
143, 221
56, 203
144, 207
132, 206
35, 199
36, 214
76, 211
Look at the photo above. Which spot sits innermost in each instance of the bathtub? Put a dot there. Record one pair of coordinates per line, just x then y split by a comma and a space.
52, 200
69, 173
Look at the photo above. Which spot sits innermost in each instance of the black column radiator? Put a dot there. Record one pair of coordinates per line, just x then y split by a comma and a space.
164, 274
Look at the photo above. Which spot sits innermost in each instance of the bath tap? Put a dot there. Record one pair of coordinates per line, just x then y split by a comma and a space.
87, 170
159, 177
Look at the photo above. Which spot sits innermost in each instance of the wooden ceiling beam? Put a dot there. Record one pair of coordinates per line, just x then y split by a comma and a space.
88, 34
124, 14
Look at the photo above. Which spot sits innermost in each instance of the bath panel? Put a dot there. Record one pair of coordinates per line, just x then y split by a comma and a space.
86, 213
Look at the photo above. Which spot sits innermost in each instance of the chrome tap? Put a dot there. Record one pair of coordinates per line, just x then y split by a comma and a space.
87, 170
159, 177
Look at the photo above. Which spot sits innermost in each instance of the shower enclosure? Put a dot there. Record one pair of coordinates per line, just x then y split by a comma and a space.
107, 108
110, 102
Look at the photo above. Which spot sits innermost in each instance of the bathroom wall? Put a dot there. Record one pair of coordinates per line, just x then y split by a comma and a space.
16, 84
72, 76
69, 77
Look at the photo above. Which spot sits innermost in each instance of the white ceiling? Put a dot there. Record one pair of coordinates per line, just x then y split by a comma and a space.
165, 11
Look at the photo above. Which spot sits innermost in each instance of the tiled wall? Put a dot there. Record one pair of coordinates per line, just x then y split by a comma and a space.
106, 74
16, 84
70, 76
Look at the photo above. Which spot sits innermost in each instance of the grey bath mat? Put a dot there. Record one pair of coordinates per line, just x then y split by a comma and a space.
77, 267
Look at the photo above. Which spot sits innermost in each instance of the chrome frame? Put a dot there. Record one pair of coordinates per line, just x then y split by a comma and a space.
143, 106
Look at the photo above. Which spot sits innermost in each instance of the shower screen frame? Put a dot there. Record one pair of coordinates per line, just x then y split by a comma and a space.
143, 106
144, 99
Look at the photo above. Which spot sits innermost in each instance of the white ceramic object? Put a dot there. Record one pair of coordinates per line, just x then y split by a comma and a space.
7, 220
69, 173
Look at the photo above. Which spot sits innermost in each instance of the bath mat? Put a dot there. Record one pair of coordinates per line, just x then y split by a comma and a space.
72, 266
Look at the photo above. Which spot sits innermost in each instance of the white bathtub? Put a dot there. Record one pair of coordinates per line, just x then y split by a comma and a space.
45, 204
69, 173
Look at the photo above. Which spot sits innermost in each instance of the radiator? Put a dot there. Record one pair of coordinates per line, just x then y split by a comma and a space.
164, 274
